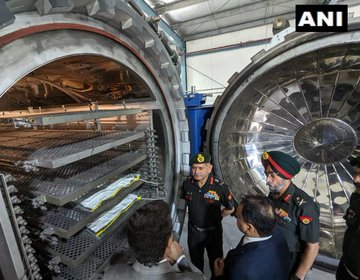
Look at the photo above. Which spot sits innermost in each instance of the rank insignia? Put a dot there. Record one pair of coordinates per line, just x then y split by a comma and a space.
283, 214
305, 219
212, 181
286, 197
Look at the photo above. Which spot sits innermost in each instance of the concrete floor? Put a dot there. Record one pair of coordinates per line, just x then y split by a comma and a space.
231, 237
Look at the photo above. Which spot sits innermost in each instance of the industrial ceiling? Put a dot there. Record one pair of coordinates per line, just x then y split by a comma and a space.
195, 19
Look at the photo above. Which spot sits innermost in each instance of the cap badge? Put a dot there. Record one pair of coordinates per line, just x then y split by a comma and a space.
200, 158
265, 155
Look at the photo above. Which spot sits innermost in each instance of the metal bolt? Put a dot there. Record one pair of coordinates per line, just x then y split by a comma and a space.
18, 210
21, 221
12, 189
14, 199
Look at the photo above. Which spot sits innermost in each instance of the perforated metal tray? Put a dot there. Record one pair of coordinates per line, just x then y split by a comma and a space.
20, 144
74, 251
60, 156
67, 221
96, 261
62, 191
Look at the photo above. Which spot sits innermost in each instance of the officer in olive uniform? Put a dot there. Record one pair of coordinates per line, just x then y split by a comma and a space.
205, 195
298, 215
349, 266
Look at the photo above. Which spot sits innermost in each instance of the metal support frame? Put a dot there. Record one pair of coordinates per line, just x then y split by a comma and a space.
152, 155
18, 261
58, 118
6, 17
11, 264
172, 34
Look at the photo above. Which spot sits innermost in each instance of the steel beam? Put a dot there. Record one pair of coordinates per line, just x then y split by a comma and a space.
58, 118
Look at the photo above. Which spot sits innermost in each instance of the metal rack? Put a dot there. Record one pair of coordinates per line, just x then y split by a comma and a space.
75, 250
20, 262
61, 191
57, 168
60, 156
23, 145
67, 221
96, 261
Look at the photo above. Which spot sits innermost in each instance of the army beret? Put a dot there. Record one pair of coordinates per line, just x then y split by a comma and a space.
283, 164
200, 158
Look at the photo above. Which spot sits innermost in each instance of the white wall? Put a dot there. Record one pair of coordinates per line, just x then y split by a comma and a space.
209, 72
213, 69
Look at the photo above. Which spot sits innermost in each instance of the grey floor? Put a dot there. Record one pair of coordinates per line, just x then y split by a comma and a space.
232, 236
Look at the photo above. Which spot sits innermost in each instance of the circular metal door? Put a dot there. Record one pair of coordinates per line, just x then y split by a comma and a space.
301, 97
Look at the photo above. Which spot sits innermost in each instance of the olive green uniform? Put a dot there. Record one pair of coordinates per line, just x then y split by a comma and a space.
205, 228
298, 217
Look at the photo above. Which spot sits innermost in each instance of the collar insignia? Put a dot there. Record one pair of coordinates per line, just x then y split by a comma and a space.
287, 197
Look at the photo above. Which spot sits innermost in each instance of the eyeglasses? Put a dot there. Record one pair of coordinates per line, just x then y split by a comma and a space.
272, 174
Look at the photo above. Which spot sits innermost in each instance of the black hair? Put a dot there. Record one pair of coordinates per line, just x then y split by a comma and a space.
148, 232
258, 210
355, 161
